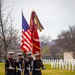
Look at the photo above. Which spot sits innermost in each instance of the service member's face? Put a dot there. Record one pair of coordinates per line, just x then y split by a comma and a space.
20, 57
37, 58
10, 55
29, 55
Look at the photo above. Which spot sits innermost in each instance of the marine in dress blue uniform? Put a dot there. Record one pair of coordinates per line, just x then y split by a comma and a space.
10, 64
20, 64
28, 63
37, 65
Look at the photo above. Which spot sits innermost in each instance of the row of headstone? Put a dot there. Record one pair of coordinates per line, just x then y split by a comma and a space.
61, 64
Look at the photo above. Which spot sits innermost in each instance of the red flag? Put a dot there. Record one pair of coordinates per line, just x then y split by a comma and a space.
26, 43
35, 36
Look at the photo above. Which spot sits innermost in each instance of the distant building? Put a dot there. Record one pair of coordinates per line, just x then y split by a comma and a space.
68, 56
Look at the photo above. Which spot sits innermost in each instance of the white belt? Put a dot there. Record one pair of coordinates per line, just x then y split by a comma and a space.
37, 69
19, 69
11, 68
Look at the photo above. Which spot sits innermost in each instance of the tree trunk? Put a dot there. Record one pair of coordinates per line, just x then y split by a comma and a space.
0, 54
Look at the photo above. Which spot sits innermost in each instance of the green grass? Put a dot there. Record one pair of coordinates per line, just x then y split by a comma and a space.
48, 71
2, 69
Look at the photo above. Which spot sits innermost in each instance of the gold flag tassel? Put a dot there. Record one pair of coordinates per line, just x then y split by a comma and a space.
40, 27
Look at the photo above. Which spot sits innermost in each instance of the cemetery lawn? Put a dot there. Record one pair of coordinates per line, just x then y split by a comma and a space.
2, 69
48, 71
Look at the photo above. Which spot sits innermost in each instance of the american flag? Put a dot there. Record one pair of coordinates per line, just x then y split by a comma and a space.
26, 43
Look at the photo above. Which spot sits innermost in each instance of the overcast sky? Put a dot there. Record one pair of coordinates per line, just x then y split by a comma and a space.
55, 15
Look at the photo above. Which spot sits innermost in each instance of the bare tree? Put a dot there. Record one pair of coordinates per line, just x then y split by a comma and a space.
66, 40
44, 45
7, 30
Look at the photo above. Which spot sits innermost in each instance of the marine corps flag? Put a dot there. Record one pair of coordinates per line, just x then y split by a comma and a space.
34, 25
36, 21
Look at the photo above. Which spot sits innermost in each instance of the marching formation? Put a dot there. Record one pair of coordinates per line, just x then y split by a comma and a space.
24, 66
30, 41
